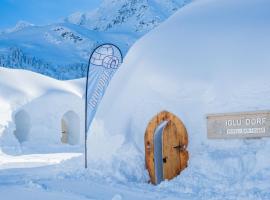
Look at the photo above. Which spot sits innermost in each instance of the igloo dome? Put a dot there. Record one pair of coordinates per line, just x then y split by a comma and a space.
210, 57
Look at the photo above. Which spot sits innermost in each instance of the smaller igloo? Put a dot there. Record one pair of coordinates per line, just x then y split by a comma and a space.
23, 125
70, 124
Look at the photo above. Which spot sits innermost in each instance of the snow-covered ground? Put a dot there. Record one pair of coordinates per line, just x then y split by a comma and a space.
210, 57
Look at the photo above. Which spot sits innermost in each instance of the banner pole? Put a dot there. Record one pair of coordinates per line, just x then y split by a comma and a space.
85, 152
85, 116
85, 127
85, 134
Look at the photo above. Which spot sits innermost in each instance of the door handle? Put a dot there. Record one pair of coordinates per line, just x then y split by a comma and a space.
179, 147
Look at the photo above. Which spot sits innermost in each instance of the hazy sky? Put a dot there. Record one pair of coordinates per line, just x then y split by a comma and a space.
40, 11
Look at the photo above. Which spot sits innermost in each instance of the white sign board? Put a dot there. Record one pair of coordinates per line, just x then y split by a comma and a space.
238, 125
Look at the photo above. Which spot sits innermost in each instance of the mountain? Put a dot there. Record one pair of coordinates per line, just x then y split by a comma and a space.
61, 50
58, 50
131, 16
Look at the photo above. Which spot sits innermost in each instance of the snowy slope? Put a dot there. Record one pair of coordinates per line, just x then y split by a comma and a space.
61, 50
210, 57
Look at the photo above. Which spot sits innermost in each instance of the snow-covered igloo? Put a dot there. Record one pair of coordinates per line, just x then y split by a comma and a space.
34, 106
56, 118
210, 57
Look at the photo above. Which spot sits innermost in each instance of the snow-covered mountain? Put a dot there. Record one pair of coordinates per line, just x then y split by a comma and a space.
58, 50
132, 15
61, 50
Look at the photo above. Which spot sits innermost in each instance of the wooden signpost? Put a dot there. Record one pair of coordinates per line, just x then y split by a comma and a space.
174, 146
238, 125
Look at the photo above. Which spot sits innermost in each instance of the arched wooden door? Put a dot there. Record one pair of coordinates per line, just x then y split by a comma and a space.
174, 146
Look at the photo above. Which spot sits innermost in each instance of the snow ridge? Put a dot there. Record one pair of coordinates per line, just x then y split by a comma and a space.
19, 26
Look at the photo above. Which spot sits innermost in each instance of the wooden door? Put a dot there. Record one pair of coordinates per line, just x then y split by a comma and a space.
171, 151
179, 133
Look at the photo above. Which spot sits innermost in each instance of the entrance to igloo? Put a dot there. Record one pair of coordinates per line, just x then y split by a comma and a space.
70, 124
23, 125
166, 143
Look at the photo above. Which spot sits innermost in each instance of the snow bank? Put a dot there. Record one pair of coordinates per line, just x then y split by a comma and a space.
210, 57
31, 108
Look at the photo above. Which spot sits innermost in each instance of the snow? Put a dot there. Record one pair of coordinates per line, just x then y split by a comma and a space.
210, 57
34, 160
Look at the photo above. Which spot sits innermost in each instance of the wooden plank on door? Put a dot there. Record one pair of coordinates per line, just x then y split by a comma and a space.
171, 155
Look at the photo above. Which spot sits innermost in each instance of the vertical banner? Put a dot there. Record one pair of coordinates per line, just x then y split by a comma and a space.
103, 63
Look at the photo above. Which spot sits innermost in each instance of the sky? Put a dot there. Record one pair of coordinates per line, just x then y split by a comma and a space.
41, 12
